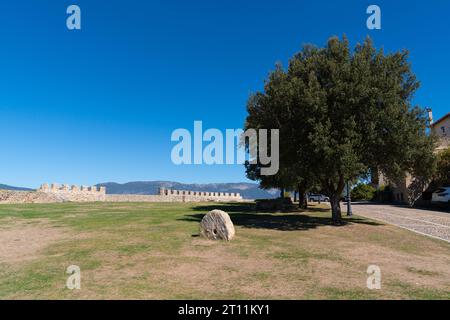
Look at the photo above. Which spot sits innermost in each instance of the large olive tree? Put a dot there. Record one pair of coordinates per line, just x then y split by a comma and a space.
341, 112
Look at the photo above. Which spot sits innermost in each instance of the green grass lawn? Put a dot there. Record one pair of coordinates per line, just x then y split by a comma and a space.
153, 251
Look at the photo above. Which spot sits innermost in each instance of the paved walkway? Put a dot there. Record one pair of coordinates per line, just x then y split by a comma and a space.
430, 223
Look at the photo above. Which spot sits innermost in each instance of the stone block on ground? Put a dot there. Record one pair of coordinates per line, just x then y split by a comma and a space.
217, 225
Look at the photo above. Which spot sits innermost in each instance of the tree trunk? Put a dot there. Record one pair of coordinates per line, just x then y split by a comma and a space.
295, 196
336, 209
335, 201
305, 199
282, 193
302, 202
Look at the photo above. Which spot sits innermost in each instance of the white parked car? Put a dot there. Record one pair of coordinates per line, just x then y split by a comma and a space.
318, 198
441, 195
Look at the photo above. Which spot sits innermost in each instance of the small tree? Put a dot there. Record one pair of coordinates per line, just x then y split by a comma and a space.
442, 176
363, 192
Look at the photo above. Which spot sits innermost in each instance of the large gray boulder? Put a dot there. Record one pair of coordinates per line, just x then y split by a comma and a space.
217, 225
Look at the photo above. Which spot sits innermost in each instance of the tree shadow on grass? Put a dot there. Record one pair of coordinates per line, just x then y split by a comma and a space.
244, 215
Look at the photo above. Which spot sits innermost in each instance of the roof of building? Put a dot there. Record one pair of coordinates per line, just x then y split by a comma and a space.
441, 119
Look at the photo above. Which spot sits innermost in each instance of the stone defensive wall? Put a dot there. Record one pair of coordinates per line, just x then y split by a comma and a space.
15, 197
74, 193
199, 195
65, 193
55, 193
170, 195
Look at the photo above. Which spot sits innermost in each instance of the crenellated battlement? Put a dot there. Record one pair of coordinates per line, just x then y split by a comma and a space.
73, 189
73, 193
200, 195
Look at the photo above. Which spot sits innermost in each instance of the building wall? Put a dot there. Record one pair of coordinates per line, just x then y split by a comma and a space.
442, 130
442, 127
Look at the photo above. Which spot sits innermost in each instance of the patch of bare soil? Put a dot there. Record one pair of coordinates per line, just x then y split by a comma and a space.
24, 240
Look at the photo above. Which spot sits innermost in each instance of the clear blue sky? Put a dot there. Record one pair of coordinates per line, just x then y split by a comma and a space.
100, 104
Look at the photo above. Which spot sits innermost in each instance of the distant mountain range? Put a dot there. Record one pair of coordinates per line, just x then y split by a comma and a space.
247, 190
6, 187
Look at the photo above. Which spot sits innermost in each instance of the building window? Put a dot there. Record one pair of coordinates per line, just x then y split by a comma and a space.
443, 129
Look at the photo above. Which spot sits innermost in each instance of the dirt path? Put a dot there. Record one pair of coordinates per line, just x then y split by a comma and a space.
430, 223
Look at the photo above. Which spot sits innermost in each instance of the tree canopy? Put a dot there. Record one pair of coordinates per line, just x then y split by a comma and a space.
363, 191
341, 113
442, 176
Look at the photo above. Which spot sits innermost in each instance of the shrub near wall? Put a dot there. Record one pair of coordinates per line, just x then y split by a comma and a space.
363, 192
